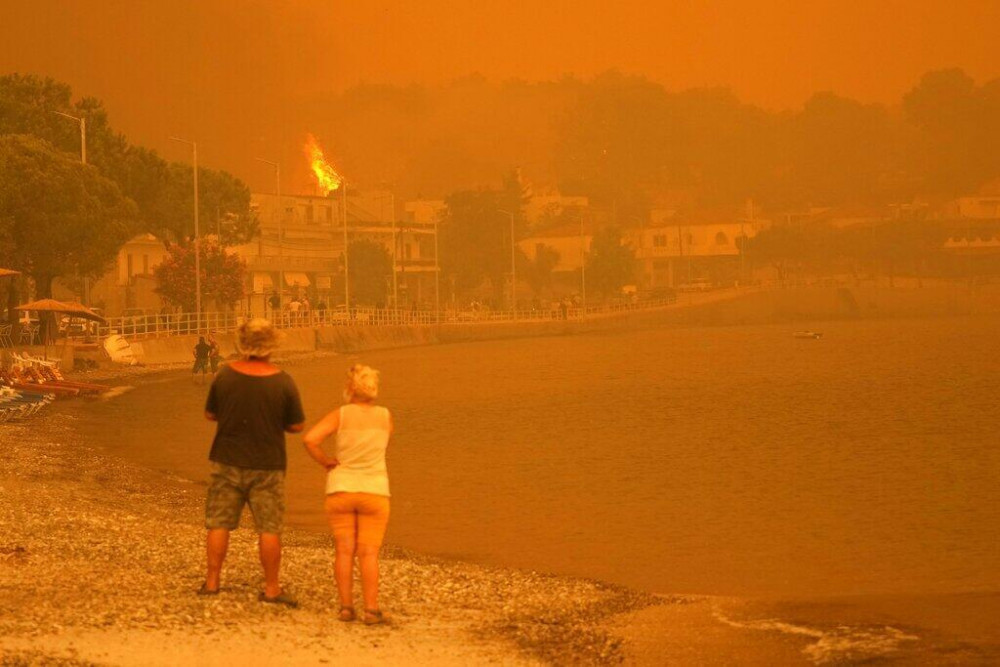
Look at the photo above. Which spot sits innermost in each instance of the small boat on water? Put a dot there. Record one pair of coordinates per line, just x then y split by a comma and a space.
814, 335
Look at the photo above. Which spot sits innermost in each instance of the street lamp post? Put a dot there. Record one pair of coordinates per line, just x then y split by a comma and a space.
197, 243
281, 227
347, 286
395, 295
437, 276
513, 268
583, 268
392, 218
83, 133
83, 159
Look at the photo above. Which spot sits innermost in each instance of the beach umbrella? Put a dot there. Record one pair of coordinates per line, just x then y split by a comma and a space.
70, 308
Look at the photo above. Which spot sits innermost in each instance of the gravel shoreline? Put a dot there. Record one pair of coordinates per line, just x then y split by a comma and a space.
100, 558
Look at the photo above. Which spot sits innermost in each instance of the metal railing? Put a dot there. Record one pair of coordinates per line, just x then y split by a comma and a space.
179, 324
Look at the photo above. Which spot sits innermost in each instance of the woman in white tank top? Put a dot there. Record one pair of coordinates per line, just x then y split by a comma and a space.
357, 486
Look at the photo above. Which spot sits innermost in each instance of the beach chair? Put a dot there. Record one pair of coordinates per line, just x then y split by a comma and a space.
28, 334
5, 335
16, 404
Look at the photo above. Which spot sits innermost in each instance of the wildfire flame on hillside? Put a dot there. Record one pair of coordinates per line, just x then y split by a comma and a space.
327, 177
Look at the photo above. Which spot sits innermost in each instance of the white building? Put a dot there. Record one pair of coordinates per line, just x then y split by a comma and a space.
309, 254
673, 250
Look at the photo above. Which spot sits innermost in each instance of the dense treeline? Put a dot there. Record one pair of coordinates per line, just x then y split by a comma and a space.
626, 140
62, 218
900, 247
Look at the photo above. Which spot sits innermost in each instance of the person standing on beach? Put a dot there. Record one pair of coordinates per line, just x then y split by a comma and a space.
357, 486
201, 355
254, 403
214, 354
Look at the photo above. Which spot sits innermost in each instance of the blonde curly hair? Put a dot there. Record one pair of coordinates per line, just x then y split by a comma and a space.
362, 383
257, 338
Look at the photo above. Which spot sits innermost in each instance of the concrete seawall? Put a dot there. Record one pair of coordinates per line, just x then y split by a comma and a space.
795, 305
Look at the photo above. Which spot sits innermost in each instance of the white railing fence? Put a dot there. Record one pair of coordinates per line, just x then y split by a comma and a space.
179, 324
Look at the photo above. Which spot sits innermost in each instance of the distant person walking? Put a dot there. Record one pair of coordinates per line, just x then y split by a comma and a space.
201, 352
275, 303
254, 403
357, 486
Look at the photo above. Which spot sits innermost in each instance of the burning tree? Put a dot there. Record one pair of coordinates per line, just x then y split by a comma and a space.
326, 176
221, 276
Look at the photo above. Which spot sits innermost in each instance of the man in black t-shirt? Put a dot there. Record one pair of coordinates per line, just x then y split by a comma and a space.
254, 403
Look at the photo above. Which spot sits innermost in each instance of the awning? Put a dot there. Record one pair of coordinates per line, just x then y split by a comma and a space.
293, 278
262, 282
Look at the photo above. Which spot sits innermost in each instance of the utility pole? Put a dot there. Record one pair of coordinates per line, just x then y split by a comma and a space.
395, 292
392, 218
83, 133
347, 286
583, 267
83, 158
437, 275
513, 268
197, 234
281, 228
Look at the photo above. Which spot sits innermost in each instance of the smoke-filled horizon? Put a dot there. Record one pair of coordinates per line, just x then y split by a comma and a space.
443, 95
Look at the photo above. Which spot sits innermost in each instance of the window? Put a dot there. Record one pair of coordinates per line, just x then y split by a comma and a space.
721, 239
128, 265
145, 265
660, 241
329, 214
309, 214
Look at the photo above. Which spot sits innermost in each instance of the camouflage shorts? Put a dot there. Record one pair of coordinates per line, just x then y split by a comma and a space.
231, 488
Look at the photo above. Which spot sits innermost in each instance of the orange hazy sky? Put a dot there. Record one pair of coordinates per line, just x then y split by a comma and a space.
211, 66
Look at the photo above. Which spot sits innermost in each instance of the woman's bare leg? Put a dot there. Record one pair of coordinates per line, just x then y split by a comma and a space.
343, 569
368, 560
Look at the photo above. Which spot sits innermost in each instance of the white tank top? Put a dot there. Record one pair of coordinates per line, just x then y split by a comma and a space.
360, 448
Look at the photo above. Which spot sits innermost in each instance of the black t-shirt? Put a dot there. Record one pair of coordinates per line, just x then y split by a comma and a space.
253, 412
201, 350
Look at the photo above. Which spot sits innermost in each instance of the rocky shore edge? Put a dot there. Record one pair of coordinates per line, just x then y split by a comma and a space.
100, 560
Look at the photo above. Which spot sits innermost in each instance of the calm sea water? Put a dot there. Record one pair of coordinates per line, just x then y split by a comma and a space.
720, 460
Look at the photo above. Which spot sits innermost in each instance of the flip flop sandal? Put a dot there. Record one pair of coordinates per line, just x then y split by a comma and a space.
205, 590
346, 614
374, 617
280, 598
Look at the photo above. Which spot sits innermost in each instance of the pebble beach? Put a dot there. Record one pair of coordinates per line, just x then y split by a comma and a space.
100, 561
